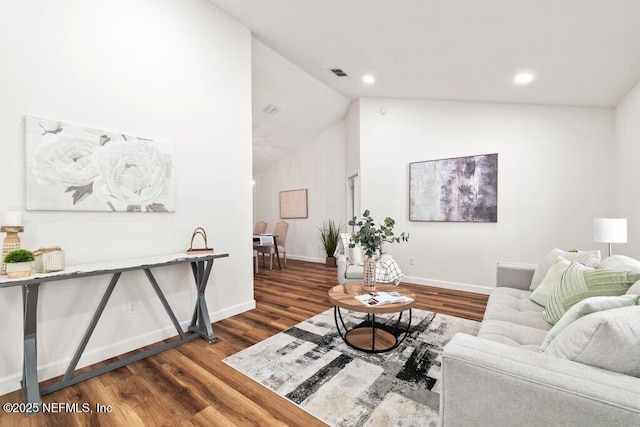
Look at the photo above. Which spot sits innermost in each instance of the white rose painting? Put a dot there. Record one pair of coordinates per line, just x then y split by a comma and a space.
81, 169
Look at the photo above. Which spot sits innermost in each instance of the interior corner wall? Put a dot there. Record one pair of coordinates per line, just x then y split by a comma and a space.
554, 176
319, 167
352, 133
626, 171
176, 71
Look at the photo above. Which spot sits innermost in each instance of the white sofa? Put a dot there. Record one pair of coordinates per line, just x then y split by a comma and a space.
499, 378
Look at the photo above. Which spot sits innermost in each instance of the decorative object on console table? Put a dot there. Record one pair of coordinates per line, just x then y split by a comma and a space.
12, 226
329, 235
19, 263
371, 238
206, 250
610, 230
293, 204
49, 260
462, 189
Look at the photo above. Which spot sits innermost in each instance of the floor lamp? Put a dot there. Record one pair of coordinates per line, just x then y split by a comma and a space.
610, 230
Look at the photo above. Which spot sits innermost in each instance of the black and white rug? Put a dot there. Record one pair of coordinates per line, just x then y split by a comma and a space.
310, 365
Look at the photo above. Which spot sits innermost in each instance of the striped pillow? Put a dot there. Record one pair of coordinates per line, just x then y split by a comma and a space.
579, 282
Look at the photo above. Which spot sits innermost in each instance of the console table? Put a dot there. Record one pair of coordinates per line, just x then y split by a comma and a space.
200, 324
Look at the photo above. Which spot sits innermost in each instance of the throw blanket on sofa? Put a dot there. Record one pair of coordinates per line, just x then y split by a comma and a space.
387, 270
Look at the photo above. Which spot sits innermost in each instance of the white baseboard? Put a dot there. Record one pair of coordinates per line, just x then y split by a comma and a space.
11, 382
306, 258
467, 287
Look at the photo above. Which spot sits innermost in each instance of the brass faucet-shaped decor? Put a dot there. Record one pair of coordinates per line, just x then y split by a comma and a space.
206, 250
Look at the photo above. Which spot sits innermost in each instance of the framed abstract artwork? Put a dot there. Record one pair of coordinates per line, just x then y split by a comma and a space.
75, 168
293, 204
461, 189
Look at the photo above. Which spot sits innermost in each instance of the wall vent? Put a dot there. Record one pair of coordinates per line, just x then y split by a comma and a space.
271, 109
338, 72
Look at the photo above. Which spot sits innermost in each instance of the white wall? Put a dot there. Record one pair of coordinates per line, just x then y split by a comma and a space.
318, 166
627, 172
555, 176
171, 70
352, 129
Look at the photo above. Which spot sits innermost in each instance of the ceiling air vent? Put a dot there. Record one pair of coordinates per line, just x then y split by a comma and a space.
338, 72
271, 109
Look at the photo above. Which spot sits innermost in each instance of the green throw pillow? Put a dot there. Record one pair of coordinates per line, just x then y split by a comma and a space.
543, 292
587, 306
579, 282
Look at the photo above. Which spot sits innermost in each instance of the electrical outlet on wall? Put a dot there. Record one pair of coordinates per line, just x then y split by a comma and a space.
132, 308
412, 260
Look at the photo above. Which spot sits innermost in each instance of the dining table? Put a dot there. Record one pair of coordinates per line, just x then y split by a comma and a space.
268, 240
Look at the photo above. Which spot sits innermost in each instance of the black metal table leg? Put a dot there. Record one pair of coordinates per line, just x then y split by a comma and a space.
200, 321
30, 387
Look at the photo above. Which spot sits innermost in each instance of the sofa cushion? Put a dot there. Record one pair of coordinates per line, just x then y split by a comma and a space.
586, 307
543, 292
354, 272
608, 339
512, 319
588, 258
580, 282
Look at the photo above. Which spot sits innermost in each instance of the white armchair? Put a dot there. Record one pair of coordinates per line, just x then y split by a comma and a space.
348, 270
350, 264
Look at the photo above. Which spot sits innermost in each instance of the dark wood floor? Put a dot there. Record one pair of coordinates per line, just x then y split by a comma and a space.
190, 385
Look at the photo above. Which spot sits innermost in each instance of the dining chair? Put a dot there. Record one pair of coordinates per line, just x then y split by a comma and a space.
259, 228
280, 231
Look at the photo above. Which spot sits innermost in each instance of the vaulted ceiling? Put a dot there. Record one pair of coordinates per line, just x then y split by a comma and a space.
581, 52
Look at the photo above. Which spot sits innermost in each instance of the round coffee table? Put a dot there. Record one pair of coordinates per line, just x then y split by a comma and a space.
370, 336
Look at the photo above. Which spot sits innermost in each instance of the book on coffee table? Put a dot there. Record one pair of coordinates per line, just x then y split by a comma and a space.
382, 298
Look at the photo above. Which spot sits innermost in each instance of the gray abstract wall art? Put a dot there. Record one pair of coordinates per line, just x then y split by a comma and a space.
462, 189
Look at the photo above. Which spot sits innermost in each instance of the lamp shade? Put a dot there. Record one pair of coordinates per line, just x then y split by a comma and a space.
610, 230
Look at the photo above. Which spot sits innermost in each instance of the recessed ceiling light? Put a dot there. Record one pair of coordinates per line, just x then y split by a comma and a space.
523, 78
368, 79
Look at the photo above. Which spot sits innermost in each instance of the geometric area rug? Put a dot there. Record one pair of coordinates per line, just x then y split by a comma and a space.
311, 366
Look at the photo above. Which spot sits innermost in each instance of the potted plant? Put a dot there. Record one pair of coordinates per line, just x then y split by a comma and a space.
329, 235
18, 263
371, 237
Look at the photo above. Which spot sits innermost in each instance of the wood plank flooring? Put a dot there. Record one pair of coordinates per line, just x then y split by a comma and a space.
191, 386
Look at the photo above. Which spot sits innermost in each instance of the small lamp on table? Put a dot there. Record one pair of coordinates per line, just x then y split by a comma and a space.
610, 230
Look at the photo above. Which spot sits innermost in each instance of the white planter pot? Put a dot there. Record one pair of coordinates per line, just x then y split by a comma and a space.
16, 270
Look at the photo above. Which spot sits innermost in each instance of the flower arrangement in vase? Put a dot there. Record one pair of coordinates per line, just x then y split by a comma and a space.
371, 237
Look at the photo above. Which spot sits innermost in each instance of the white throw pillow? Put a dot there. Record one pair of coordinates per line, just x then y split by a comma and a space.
634, 289
585, 307
356, 255
607, 339
588, 258
552, 279
619, 263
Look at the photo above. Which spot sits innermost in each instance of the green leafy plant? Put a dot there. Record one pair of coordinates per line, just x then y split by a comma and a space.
329, 235
19, 255
371, 237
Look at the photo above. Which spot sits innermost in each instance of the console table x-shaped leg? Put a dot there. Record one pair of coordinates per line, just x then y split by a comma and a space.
200, 327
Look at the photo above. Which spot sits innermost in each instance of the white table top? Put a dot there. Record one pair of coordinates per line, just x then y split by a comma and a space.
107, 266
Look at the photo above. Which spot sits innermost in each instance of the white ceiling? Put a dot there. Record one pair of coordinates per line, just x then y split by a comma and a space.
307, 107
582, 52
